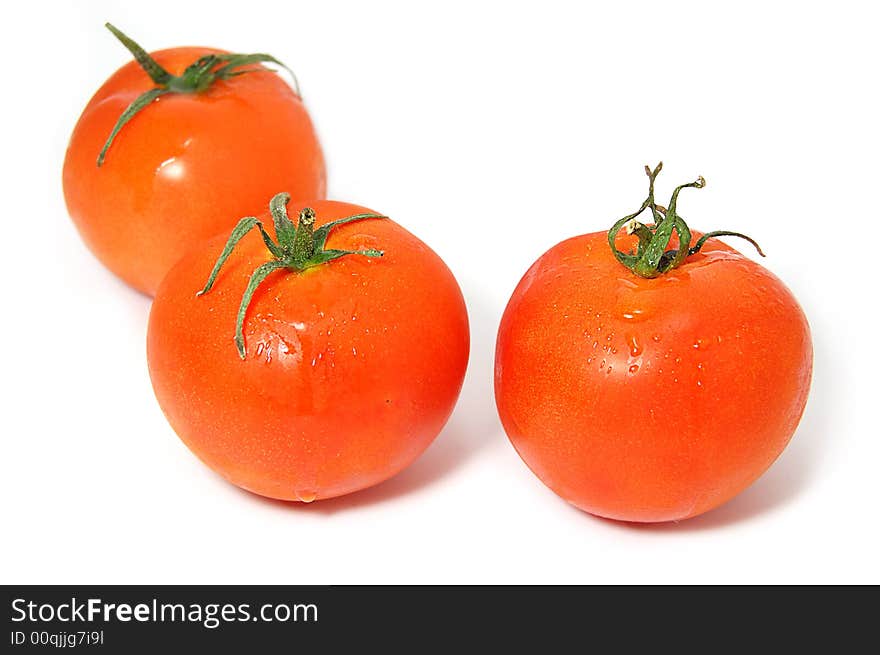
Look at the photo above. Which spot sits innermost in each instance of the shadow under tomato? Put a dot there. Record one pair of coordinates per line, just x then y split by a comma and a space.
788, 477
474, 425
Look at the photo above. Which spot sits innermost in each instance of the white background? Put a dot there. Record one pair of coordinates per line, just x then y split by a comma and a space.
492, 131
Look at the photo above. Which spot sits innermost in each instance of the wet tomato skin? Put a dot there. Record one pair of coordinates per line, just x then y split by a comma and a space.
352, 367
185, 168
650, 400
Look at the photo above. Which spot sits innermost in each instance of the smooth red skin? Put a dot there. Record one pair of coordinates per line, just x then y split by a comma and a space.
352, 367
650, 400
186, 167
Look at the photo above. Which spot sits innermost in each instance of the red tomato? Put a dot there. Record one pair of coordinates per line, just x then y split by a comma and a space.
186, 166
650, 399
351, 367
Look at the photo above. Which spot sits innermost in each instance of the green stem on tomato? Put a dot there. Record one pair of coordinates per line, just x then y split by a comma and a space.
198, 77
651, 258
297, 249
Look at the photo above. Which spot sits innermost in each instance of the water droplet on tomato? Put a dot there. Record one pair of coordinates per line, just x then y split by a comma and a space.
634, 368
634, 348
306, 495
656, 337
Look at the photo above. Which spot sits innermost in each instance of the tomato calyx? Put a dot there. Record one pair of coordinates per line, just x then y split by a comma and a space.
651, 258
198, 77
297, 248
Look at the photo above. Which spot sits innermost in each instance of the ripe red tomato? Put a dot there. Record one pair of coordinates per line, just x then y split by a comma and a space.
188, 164
650, 399
344, 372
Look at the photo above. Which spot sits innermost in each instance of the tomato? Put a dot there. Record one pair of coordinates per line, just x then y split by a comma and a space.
650, 397
188, 164
342, 372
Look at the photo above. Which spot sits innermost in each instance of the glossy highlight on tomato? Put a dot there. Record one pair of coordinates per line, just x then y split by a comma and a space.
650, 399
350, 370
186, 166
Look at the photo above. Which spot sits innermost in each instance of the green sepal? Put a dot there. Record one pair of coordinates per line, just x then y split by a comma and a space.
723, 233
139, 103
324, 256
652, 258
285, 231
261, 273
196, 78
152, 68
236, 61
244, 226
298, 249
321, 234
